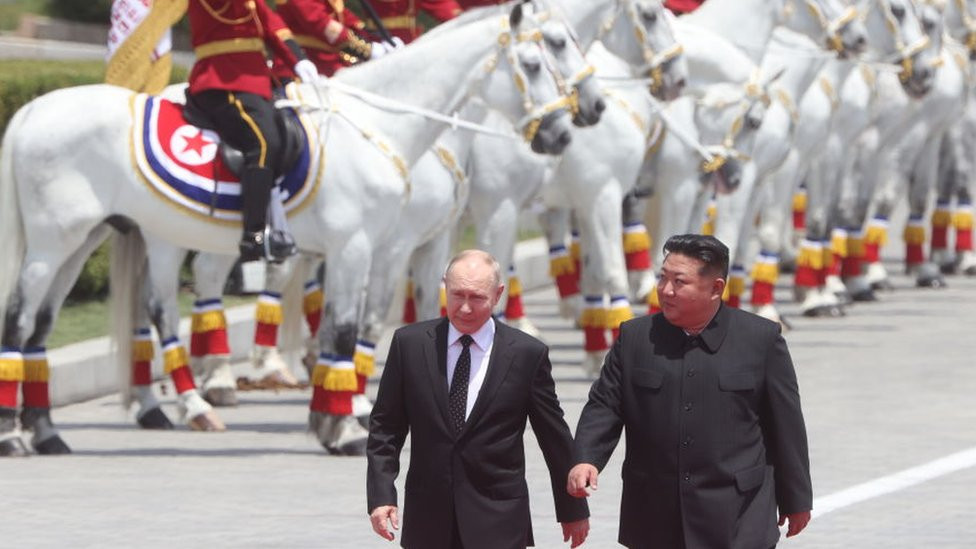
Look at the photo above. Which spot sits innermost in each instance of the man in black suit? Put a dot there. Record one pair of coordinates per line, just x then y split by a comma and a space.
709, 397
463, 387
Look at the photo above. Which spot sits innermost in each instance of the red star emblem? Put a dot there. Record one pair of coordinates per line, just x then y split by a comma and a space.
196, 143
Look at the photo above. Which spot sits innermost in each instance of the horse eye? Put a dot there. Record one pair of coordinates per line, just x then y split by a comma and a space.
928, 25
531, 67
556, 43
898, 12
650, 16
753, 122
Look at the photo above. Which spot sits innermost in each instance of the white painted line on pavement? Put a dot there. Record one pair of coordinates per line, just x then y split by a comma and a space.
893, 483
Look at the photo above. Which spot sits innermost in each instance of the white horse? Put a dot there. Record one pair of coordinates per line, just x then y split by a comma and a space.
60, 187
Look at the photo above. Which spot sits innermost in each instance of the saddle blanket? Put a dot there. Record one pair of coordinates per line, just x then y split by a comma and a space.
180, 162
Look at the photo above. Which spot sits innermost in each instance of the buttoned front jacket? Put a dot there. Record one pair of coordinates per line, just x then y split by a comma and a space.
715, 438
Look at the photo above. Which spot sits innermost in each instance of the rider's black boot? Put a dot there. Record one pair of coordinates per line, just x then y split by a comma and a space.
256, 186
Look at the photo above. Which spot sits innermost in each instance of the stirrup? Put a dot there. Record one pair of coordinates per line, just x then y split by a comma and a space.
252, 246
281, 246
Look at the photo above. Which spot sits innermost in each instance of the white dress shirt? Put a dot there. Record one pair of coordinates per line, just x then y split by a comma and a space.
480, 353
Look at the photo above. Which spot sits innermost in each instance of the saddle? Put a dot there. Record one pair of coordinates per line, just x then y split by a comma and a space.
288, 126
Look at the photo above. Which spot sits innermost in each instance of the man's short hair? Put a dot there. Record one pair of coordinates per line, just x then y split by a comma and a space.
485, 256
707, 249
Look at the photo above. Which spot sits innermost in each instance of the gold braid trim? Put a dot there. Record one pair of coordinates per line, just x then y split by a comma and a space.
131, 66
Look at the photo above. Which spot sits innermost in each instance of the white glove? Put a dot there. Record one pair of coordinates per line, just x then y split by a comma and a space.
397, 43
306, 71
378, 49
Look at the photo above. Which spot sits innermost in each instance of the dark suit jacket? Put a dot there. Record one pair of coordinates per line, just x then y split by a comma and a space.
478, 477
715, 436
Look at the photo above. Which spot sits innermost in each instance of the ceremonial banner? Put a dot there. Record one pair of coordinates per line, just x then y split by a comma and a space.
139, 43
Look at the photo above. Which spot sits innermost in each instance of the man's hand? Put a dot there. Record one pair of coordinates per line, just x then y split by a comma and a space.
576, 531
379, 518
798, 521
582, 480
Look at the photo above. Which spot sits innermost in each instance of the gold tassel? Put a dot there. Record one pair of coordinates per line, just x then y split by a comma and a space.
365, 363
208, 321
36, 370
340, 379
594, 317
12, 369
765, 272
268, 313
877, 234
514, 286
810, 257
318, 375
142, 350
313, 301
962, 219
653, 300
838, 242
617, 316
941, 218
855, 245
914, 235
637, 241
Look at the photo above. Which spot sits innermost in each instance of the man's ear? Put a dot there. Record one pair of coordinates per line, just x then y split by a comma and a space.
498, 293
718, 287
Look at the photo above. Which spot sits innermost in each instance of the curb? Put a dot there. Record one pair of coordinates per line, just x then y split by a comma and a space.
85, 370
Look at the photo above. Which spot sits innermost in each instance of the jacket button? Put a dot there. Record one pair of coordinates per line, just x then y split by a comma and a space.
688, 406
687, 477
687, 442
692, 372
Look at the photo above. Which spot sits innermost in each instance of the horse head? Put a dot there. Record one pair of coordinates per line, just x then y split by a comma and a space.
836, 25
536, 99
640, 32
728, 117
568, 62
896, 33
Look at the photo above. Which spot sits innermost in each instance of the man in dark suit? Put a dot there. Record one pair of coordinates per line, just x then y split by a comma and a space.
709, 397
463, 387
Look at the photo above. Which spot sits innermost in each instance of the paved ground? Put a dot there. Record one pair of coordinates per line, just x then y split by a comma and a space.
885, 389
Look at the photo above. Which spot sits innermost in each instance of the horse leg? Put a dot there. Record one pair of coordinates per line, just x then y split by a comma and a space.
36, 411
563, 267
427, 265
209, 348
276, 311
163, 264
922, 182
334, 379
637, 247
313, 299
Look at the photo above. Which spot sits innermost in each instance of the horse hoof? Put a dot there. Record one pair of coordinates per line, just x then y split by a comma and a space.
864, 296
207, 421
13, 447
221, 396
970, 271
155, 419
364, 421
882, 285
351, 448
931, 282
283, 378
52, 446
947, 268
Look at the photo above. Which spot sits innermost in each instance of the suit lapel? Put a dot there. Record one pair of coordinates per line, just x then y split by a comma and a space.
499, 363
435, 355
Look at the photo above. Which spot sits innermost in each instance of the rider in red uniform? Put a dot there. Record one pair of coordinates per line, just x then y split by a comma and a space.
400, 16
327, 32
231, 83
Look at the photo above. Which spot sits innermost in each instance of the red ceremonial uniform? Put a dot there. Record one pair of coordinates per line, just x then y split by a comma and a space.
320, 27
229, 38
400, 16
682, 6
468, 4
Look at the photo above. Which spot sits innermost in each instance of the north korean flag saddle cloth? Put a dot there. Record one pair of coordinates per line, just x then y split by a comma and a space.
179, 155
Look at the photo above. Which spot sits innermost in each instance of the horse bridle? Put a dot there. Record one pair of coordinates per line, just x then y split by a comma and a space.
832, 27
970, 22
654, 62
905, 51
529, 125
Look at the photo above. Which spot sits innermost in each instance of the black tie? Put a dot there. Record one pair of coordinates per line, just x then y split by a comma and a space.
457, 397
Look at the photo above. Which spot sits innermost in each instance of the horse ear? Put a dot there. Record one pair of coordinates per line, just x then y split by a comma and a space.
515, 19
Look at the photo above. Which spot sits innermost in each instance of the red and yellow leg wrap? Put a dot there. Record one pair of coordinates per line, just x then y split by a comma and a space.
800, 210
962, 221
365, 362
339, 383
875, 237
765, 273
736, 287
142, 355
941, 219
513, 305
711, 214
319, 397
312, 303
853, 264
267, 319
37, 374
208, 329
594, 321
914, 237
11, 375
653, 301
175, 365
409, 304
619, 313
563, 270
637, 247
809, 264
838, 252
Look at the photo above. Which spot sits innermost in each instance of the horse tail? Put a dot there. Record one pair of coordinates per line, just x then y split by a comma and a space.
11, 223
127, 273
